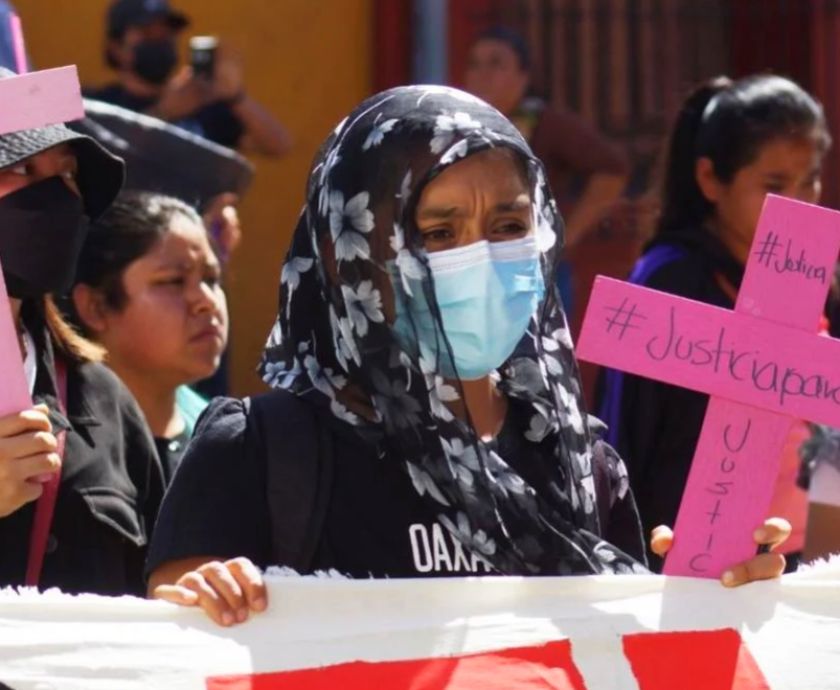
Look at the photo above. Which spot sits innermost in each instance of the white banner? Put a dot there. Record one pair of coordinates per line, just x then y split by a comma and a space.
592, 633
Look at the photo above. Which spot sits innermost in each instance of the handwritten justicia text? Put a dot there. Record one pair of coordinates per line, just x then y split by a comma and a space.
746, 366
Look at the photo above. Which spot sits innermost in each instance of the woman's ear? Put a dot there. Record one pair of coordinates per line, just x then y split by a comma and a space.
707, 181
90, 308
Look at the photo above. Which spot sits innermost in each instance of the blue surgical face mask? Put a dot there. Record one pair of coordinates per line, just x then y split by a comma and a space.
486, 292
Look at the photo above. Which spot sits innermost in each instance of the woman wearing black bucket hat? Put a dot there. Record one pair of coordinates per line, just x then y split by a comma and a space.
80, 482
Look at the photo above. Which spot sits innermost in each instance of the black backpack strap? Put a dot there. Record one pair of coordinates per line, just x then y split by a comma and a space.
297, 450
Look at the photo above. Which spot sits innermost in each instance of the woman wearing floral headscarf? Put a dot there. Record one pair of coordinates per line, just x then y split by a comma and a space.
416, 323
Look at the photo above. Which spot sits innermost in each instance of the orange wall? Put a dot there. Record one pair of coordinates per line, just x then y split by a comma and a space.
307, 60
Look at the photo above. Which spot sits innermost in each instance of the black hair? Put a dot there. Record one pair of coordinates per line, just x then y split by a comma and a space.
127, 232
510, 38
728, 123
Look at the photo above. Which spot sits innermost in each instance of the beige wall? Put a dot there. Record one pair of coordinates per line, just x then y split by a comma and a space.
308, 60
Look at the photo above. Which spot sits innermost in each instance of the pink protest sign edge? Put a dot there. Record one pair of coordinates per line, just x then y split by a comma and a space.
15, 389
39, 99
738, 453
18, 43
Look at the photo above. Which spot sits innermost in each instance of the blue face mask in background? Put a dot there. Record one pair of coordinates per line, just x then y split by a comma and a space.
487, 293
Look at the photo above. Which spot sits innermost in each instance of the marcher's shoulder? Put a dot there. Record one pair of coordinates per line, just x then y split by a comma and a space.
219, 441
224, 422
217, 503
108, 395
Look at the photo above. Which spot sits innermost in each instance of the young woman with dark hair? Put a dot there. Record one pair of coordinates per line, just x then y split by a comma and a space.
731, 145
148, 290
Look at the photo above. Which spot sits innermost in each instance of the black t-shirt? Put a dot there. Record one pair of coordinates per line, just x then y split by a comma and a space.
376, 524
170, 451
216, 122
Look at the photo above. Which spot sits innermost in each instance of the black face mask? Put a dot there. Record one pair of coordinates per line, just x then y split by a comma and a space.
42, 230
154, 61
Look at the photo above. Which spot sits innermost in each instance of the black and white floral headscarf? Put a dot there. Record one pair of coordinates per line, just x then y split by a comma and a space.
354, 251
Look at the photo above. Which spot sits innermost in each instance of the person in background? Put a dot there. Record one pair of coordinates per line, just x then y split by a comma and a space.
148, 290
141, 45
731, 145
84, 425
499, 72
422, 355
820, 476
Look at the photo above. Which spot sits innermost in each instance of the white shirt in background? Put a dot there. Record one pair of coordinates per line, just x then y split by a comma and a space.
30, 362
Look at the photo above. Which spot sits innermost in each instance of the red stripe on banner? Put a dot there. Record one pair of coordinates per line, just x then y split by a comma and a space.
548, 667
715, 660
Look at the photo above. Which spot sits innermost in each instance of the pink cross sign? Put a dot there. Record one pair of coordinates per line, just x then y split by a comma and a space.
28, 101
763, 365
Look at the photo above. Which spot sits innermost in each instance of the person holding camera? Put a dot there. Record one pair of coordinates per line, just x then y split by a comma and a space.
208, 97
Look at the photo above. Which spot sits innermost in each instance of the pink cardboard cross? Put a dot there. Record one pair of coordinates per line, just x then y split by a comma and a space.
762, 364
28, 101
